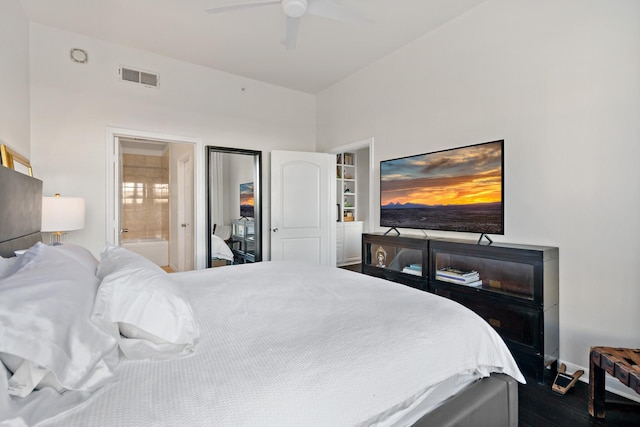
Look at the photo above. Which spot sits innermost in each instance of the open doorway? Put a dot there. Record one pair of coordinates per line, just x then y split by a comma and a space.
354, 202
153, 199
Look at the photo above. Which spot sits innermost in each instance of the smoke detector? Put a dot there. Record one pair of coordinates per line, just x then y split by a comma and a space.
79, 55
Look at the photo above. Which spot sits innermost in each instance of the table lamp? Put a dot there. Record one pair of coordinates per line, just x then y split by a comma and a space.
61, 214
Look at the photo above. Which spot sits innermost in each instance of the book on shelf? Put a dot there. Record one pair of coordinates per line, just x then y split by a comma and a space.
451, 271
413, 271
458, 279
473, 283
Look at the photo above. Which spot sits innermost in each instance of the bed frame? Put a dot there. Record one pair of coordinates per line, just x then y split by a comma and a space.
492, 401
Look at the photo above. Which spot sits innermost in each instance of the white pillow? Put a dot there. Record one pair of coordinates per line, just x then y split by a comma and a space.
139, 300
7, 266
45, 309
80, 254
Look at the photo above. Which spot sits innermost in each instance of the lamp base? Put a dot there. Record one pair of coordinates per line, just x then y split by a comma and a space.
56, 238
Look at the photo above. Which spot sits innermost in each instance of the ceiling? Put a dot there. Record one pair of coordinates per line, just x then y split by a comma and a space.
248, 42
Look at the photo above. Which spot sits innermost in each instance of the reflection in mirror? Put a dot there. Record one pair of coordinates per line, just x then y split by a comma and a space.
234, 210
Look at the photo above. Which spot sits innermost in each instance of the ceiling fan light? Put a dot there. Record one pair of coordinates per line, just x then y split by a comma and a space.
294, 8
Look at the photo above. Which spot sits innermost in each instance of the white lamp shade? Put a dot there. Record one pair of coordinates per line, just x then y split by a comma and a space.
62, 214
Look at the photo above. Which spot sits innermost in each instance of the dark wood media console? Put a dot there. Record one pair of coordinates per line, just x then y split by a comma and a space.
517, 291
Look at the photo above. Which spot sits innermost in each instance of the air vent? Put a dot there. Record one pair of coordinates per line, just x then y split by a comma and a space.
140, 77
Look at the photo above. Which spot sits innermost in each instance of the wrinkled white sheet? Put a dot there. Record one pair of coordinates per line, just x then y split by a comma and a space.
287, 344
219, 249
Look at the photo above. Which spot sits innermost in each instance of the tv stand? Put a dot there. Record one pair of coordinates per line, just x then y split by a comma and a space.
394, 229
518, 295
486, 236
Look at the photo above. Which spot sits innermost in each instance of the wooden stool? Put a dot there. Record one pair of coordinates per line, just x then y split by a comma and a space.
622, 363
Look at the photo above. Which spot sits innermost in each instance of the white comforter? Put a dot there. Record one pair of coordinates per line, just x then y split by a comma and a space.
287, 344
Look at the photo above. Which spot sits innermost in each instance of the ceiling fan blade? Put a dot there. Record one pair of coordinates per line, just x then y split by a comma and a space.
331, 10
292, 33
222, 9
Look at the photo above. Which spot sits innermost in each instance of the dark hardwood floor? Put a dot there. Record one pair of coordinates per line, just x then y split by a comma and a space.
539, 406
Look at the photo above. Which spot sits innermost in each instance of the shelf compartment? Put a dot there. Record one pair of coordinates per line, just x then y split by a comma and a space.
512, 321
506, 277
387, 256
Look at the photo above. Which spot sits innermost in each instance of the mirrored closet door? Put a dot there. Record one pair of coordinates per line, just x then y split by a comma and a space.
234, 206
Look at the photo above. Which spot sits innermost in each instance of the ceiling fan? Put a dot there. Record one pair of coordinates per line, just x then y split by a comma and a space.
295, 9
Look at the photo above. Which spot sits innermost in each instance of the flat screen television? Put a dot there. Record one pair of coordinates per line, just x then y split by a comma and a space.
460, 189
246, 200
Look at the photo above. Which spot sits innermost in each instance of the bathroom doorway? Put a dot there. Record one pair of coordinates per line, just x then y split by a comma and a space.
155, 185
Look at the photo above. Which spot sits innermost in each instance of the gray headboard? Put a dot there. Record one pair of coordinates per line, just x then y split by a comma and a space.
20, 211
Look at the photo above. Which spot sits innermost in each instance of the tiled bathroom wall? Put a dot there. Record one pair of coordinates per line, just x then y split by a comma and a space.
145, 196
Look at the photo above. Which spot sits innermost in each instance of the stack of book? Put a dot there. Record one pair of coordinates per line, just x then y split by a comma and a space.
415, 269
460, 277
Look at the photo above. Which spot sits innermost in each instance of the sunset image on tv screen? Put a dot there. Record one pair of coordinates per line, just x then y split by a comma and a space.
459, 189
246, 200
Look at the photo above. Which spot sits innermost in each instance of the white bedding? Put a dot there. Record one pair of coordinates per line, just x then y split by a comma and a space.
288, 344
219, 249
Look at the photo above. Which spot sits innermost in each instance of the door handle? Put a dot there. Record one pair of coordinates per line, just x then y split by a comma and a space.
183, 225
275, 230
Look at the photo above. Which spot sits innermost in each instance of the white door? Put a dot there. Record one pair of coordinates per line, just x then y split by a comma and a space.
303, 212
185, 212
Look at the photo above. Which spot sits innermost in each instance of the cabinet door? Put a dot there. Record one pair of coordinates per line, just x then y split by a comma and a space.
339, 243
352, 247
517, 323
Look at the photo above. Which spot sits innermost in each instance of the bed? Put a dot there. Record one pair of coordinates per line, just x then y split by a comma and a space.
271, 343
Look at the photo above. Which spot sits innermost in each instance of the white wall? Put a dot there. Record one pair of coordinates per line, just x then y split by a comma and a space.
14, 77
73, 104
560, 82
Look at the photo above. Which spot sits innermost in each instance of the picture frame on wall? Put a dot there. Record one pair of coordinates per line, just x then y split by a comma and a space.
14, 160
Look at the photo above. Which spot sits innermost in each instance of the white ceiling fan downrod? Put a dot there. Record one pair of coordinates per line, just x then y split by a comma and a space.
294, 8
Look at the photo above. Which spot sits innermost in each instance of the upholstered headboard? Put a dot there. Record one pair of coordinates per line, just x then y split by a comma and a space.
20, 211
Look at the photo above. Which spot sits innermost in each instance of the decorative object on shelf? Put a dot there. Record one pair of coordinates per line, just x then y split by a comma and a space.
381, 256
13, 160
61, 214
